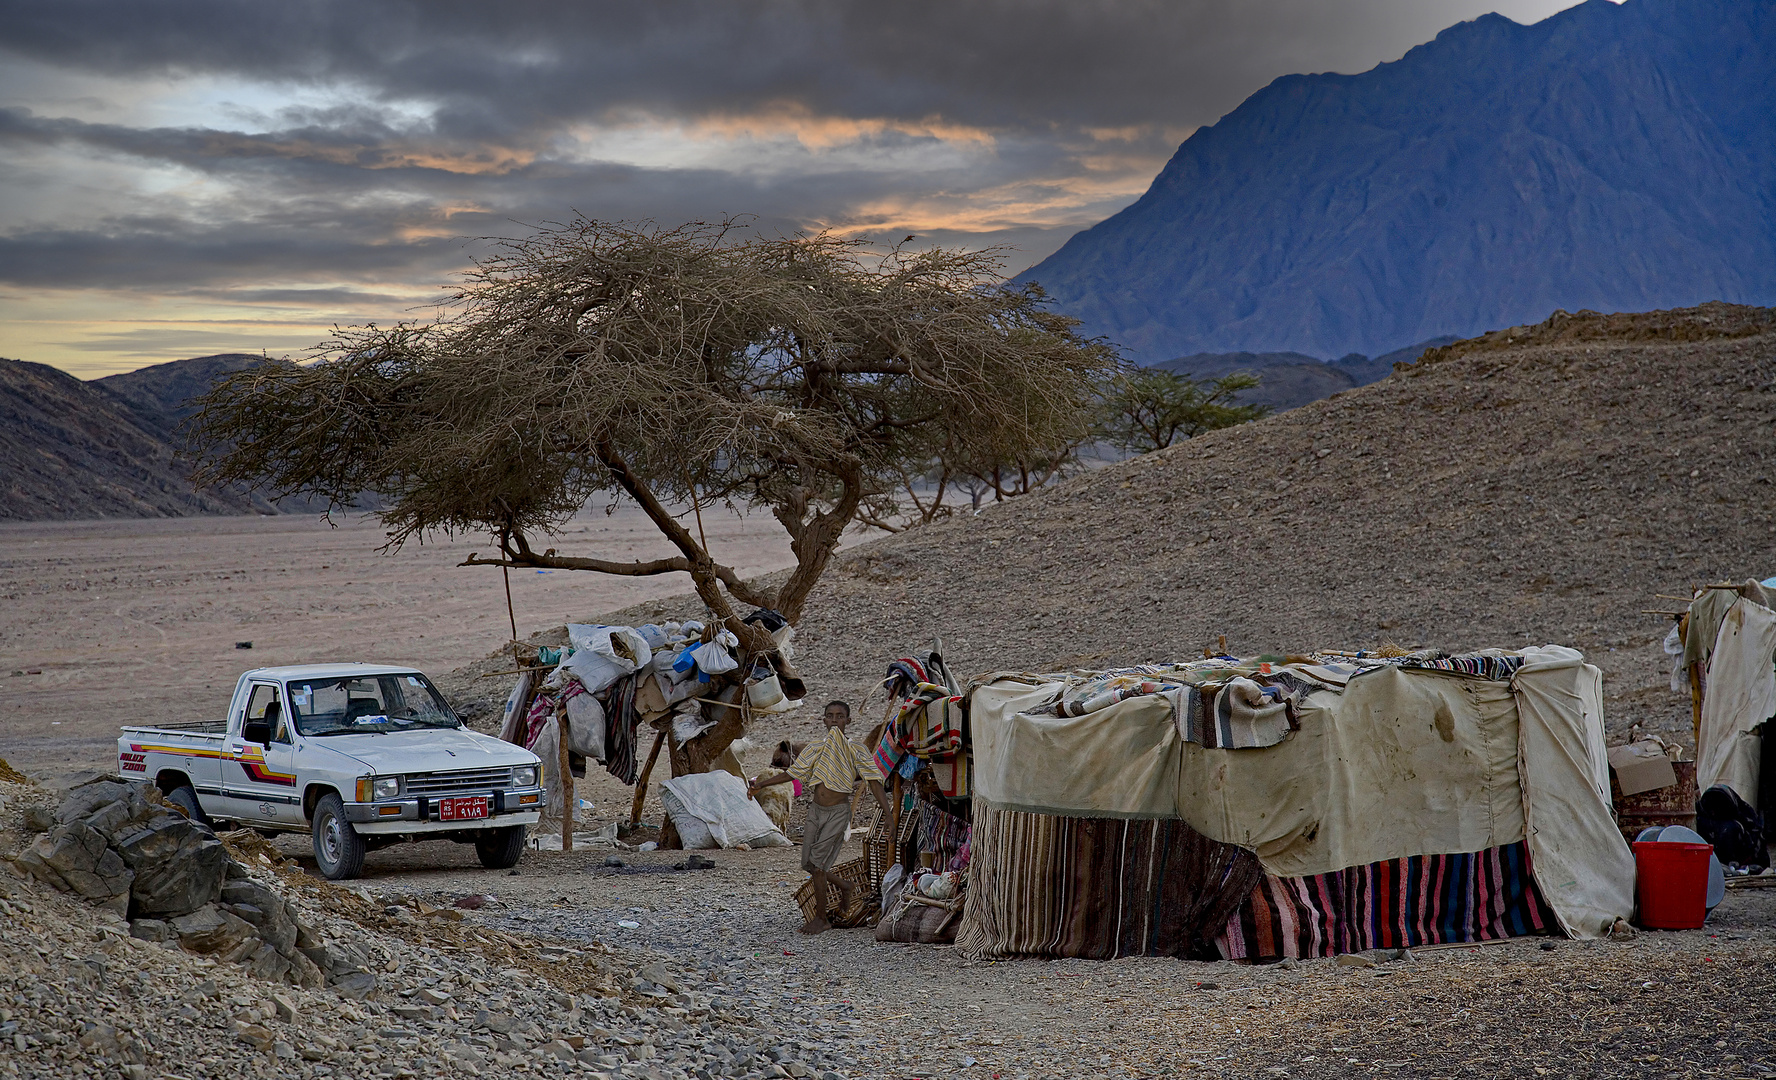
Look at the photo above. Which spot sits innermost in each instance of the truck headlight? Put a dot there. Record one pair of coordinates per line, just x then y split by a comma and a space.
524, 776
386, 787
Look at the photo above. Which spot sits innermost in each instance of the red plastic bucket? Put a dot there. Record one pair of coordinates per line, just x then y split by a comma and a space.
1671, 882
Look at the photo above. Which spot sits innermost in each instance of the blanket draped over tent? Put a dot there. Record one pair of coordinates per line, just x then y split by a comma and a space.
1405, 760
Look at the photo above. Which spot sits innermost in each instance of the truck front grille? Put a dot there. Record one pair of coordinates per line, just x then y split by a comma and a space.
460, 780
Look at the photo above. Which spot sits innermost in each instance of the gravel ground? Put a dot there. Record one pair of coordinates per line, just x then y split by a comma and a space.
1665, 1004
545, 978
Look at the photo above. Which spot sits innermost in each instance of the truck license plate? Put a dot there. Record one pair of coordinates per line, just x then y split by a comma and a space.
463, 808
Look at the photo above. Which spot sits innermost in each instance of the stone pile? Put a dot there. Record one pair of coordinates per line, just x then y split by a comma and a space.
127, 850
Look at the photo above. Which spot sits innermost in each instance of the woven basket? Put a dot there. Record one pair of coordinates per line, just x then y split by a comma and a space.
864, 902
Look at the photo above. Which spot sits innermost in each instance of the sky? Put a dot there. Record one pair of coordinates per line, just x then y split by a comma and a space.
185, 178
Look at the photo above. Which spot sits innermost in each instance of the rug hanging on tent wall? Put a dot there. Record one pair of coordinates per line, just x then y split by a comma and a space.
1394, 904
1097, 888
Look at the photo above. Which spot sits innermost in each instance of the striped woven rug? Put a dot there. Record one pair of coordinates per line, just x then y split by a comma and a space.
1399, 903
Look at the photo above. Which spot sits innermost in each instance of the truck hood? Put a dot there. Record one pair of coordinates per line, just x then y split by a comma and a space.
438, 750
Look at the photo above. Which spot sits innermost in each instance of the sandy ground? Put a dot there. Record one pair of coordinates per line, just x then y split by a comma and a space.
133, 621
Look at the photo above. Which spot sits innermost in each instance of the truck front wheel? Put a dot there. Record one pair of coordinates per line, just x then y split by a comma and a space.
500, 849
339, 850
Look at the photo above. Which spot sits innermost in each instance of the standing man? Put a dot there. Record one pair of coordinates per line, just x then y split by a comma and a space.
833, 766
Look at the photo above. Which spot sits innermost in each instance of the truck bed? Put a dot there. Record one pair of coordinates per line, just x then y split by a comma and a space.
216, 728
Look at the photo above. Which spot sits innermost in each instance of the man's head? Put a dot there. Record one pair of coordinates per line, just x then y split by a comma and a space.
837, 714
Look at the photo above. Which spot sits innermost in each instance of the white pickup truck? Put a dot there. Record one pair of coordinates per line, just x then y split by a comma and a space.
358, 755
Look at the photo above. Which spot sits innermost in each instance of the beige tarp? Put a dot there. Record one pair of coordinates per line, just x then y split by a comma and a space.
1403, 762
1584, 869
1739, 694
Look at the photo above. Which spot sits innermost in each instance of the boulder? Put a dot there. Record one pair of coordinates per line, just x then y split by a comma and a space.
80, 857
88, 798
150, 930
304, 973
209, 929
179, 865
265, 962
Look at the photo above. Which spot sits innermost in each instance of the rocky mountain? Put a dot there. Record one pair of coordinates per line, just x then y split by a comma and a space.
1610, 157
71, 450
1291, 380
162, 394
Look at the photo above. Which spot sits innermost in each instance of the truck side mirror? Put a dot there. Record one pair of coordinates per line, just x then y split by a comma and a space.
256, 731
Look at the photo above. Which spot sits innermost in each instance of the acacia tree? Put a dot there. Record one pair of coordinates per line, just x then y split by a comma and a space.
689, 366
1150, 408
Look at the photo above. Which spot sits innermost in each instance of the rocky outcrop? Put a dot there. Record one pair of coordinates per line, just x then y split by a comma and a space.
123, 847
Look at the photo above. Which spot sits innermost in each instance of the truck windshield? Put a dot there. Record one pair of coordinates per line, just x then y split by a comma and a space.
368, 704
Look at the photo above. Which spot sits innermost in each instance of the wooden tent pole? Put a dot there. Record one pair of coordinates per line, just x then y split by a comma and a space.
567, 781
1696, 705
511, 616
1695, 672
641, 783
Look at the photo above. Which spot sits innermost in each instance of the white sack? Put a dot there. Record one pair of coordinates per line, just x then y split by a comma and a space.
713, 657
719, 801
585, 724
1738, 695
548, 747
693, 831
1581, 863
675, 686
596, 662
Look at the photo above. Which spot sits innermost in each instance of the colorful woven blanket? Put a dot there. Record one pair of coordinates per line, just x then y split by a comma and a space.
1399, 903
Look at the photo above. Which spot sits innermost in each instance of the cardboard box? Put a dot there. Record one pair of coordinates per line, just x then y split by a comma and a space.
1640, 767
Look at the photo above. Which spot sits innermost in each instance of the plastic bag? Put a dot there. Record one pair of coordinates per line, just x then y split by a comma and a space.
719, 801
604, 654
1673, 646
512, 727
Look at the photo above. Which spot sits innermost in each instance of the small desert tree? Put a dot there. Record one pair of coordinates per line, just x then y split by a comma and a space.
1149, 408
675, 367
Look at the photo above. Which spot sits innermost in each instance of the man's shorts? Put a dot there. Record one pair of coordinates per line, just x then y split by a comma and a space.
823, 835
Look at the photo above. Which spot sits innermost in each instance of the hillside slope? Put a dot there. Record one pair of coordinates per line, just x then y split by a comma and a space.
68, 450
71, 449
1608, 157
1540, 485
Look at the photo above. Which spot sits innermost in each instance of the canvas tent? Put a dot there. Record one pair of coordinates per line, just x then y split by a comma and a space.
1345, 803
1731, 641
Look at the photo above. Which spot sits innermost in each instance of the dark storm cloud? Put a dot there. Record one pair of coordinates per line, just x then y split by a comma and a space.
344, 157
499, 68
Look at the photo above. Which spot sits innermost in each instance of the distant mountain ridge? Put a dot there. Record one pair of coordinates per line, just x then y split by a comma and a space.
1289, 380
1608, 157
